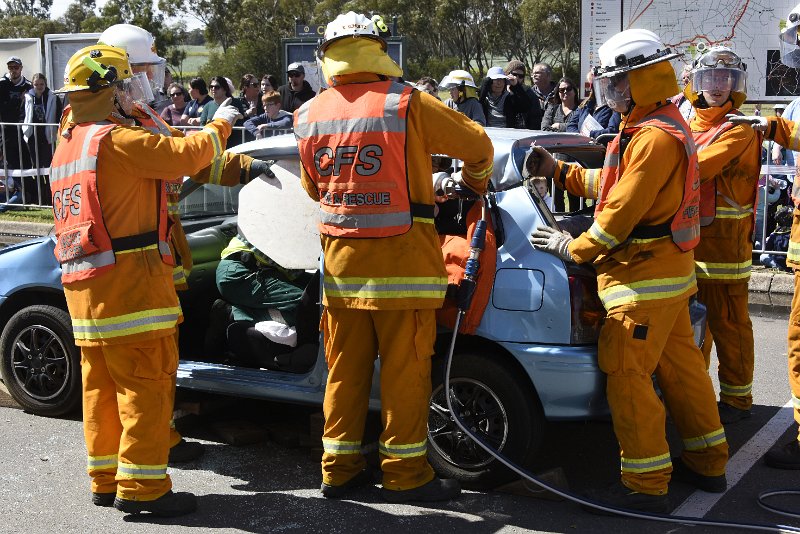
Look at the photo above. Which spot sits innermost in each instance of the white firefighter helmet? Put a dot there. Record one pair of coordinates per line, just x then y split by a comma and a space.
624, 52
456, 78
350, 24
790, 47
719, 68
141, 47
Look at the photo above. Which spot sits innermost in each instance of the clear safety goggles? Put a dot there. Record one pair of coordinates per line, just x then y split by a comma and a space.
716, 58
719, 79
613, 91
790, 49
154, 73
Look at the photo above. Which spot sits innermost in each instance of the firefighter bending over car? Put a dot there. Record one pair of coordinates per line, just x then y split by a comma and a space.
646, 225
730, 164
112, 241
787, 134
384, 275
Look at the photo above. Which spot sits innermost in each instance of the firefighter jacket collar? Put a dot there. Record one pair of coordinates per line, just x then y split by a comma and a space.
705, 119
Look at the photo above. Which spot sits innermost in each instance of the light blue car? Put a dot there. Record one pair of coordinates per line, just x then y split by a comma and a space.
533, 357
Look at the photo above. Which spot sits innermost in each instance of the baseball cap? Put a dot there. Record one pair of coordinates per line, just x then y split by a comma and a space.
496, 73
296, 67
779, 106
14, 59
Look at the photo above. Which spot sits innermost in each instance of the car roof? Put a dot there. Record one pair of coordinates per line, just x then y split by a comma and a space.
507, 142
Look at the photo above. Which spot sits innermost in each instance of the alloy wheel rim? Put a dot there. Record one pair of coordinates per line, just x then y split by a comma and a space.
483, 413
40, 363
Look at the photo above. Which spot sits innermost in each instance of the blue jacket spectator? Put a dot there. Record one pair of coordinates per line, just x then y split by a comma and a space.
610, 120
274, 120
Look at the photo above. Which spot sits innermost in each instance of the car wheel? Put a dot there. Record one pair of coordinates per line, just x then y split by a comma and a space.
40, 362
494, 403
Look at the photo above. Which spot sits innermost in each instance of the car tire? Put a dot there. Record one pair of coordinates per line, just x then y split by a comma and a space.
40, 363
501, 407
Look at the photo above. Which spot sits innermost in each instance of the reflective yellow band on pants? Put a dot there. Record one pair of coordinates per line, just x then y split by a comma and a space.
125, 325
645, 465
712, 439
403, 451
394, 287
136, 471
793, 254
725, 212
661, 288
335, 446
722, 270
102, 462
735, 391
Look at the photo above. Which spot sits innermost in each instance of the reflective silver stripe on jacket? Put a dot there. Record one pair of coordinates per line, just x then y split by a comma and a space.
84, 163
123, 325
93, 261
161, 126
377, 220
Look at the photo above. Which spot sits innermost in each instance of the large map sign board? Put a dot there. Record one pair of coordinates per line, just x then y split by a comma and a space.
750, 27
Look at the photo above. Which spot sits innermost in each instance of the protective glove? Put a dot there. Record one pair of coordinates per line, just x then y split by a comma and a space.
552, 241
227, 112
259, 167
538, 162
755, 121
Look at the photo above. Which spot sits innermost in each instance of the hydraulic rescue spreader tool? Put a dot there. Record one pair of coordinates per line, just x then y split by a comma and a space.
466, 290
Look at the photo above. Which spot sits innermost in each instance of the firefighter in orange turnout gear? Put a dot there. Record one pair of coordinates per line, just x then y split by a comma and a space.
112, 241
229, 169
787, 134
641, 244
365, 146
730, 163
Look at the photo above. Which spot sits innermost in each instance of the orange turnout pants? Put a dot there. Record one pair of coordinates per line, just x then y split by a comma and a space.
353, 339
128, 393
730, 329
794, 350
636, 342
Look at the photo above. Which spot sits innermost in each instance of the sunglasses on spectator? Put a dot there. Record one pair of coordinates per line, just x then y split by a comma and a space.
519, 74
214, 86
565, 89
254, 84
173, 95
294, 75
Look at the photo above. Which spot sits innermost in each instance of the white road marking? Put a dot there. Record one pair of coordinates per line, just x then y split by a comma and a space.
700, 502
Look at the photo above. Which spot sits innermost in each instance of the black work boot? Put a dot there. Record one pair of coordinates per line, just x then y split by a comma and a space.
729, 415
363, 478
437, 489
709, 483
185, 451
103, 499
619, 495
786, 456
168, 505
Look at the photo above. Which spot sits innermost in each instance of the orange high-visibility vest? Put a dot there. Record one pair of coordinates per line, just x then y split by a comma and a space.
84, 247
708, 189
356, 136
685, 225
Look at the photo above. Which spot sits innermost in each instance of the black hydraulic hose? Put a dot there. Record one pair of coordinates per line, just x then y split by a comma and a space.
464, 301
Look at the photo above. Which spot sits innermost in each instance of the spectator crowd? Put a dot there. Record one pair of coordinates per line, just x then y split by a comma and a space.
504, 99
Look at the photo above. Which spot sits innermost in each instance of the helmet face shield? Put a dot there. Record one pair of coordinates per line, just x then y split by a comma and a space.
613, 91
720, 57
719, 79
154, 74
135, 89
790, 51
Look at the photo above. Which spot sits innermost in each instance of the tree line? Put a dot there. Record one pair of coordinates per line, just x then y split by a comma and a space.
440, 35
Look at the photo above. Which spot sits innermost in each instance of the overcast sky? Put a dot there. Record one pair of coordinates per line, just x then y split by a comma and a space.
60, 6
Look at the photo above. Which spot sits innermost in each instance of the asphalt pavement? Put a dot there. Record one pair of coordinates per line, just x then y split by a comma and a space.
271, 484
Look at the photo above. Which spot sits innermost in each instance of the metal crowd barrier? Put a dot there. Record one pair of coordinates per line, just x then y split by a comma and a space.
32, 174
30, 170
